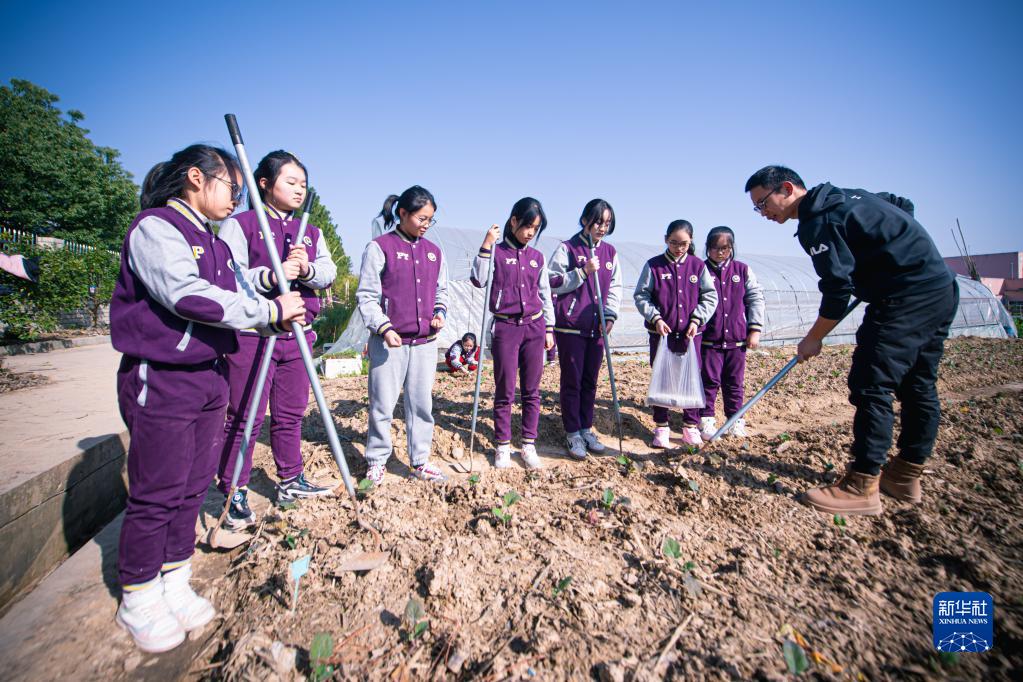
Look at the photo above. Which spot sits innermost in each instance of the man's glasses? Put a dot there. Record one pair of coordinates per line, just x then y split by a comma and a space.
759, 206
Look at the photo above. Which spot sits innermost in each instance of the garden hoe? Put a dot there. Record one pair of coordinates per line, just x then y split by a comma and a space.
219, 537
607, 353
369, 560
482, 341
770, 384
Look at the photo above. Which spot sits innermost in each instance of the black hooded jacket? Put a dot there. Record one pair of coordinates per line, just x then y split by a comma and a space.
863, 244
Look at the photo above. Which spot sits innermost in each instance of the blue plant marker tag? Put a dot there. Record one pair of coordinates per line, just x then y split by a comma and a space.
964, 622
299, 568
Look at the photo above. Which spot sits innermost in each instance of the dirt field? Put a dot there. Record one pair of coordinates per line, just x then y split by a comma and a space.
573, 588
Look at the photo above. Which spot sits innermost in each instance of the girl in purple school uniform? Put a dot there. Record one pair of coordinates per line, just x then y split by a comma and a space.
577, 318
734, 328
178, 299
282, 182
676, 297
520, 299
402, 297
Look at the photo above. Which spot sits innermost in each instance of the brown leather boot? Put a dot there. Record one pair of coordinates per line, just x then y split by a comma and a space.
853, 494
901, 480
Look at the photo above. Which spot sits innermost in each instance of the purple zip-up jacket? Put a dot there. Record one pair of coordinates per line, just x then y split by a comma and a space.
520, 289
740, 305
402, 285
576, 309
176, 299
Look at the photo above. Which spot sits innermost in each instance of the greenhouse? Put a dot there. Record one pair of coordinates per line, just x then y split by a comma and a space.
790, 289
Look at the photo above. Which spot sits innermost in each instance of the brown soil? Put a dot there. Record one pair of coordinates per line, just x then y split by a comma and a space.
858, 597
12, 381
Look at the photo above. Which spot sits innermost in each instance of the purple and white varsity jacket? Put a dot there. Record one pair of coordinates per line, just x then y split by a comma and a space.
576, 309
179, 294
521, 290
677, 291
740, 305
403, 283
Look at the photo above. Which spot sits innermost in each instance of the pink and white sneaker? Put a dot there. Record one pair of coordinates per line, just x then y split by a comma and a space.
691, 436
429, 472
662, 437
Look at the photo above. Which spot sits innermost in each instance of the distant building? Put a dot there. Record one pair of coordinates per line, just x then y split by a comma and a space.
1002, 273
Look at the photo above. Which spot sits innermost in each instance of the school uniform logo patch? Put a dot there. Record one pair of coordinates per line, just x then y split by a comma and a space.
308, 241
431, 256
665, 275
198, 251
735, 278
608, 265
402, 256
693, 278
510, 261
819, 249
533, 264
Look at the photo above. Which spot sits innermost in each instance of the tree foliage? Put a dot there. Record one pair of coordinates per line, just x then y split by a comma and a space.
55, 181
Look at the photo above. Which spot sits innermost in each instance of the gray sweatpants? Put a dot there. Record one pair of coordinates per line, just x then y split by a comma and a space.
391, 369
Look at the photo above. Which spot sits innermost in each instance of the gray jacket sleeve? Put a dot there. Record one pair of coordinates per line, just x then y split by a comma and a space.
163, 260
643, 295
545, 297
564, 276
231, 233
614, 293
441, 304
455, 357
755, 302
368, 295
708, 301
322, 271
481, 268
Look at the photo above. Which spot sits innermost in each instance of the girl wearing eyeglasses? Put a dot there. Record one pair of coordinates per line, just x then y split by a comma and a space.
676, 296
173, 314
734, 328
574, 266
282, 182
523, 327
402, 297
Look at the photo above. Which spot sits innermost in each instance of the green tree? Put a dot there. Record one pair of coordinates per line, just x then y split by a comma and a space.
55, 180
334, 317
321, 218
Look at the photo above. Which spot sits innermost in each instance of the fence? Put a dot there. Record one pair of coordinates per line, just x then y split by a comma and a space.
24, 238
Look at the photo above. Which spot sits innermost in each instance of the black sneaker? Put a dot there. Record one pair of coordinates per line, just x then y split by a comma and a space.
239, 515
298, 488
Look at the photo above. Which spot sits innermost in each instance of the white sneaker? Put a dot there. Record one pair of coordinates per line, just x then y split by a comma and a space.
148, 618
502, 456
375, 473
708, 427
529, 456
738, 429
191, 610
576, 446
592, 444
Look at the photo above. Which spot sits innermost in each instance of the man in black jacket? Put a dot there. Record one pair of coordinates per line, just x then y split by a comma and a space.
869, 246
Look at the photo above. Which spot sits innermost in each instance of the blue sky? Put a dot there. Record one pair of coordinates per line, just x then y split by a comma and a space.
662, 109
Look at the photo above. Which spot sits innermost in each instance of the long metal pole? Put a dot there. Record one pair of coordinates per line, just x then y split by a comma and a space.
607, 349
282, 285
770, 384
482, 345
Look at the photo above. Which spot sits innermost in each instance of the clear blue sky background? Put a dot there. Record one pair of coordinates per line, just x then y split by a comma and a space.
663, 109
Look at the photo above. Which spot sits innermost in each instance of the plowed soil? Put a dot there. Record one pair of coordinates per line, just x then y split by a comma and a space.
577, 582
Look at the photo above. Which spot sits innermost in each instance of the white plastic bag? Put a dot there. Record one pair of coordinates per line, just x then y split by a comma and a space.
675, 380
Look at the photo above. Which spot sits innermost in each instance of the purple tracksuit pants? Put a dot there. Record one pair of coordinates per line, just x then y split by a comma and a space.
579, 358
690, 417
517, 350
175, 418
723, 368
287, 391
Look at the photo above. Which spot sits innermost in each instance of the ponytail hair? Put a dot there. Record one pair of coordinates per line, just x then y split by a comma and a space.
685, 226
526, 210
414, 198
715, 234
269, 169
167, 179
388, 211
593, 212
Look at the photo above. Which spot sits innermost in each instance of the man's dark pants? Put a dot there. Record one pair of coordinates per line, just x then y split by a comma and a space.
898, 348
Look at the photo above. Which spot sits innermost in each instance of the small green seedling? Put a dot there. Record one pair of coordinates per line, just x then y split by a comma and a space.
607, 499
777, 552
671, 548
784, 437
364, 488
626, 462
839, 520
795, 657
287, 506
415, 619
694, 486
320, 651
562, 585
999, 431
828, 466
771, 479
474, 479
291, 540
504, 513
688, 566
